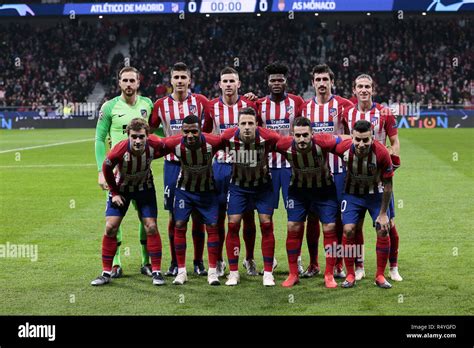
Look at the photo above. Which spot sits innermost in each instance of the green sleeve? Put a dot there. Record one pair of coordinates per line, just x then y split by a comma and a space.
101, 131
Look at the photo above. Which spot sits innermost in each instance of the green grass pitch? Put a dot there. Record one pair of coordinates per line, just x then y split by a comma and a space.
49, 197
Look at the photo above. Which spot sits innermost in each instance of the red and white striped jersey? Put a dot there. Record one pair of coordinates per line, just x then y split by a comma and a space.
365, 174
309, 169
220, 117
170, 113
196, 164
133, 172
250, 161
328, 118
383, 121
279, 117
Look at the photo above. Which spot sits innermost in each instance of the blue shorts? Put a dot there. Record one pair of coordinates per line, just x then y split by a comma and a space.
392, 207
171, 171
322, 202
145, 203
204, 202
339, 181
280, 178
353, 207
222, 174
242, 199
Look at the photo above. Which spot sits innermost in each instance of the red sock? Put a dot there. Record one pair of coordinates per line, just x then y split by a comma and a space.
199, 238
293, 248
330, 247
232, 244
312, 239
171, 238
109, 248
221, 231
268, 246
249, 234
180, 246
153, 244
212, 245
359, 240
349, 261
382, 250
339, 234
394, 239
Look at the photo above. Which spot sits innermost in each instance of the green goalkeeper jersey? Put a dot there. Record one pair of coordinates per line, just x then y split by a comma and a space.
114, 116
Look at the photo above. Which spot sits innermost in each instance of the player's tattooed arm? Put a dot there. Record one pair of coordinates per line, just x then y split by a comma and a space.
383, 219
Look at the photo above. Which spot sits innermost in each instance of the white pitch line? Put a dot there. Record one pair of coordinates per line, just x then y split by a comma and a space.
47, 145
50, 165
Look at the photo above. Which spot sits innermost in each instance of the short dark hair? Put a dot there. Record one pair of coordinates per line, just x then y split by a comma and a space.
247, 111
180, 66
321, 69
362, 126
192, 119
302, 122
276, 68
229, 70
129, 69
137, 124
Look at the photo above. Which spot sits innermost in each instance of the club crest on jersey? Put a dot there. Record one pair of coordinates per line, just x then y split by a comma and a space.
290, 110
375, 121
192, 109
144, 113
371, 168
333, 112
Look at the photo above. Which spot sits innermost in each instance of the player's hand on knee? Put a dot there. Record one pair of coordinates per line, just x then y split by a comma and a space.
102, 182
118, 200
382, 223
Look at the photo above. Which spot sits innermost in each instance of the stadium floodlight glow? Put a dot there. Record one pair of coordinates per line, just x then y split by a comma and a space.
208, 15
368, 13
316, 14
259, 14
100, 17
423, 13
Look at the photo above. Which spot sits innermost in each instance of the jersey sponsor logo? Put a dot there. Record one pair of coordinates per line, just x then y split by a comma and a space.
333, 112
119, 115
227, 125
319, 127
278, 124
144, 113
176, 124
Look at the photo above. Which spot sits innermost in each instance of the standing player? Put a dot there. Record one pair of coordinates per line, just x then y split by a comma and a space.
368, 186
133, 181
195, 191
114, 117
384, 126
311, 190
277, 112
250, 187
222, 113
170, 111
325, 111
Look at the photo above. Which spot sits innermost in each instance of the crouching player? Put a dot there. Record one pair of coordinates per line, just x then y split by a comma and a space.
250, 186
312, 190
195, 190
133, 181
368, 186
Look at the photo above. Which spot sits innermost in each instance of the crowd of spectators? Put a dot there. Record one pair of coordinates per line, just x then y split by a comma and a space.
413, 60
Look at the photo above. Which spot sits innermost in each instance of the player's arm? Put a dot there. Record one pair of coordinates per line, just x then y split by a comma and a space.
251, 96
102, 129
342, 147
392, 132
208, 123
154, 121
108, 166
382, 222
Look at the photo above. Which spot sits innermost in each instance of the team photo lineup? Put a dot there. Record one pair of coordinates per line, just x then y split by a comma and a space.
248, 171
333, 160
